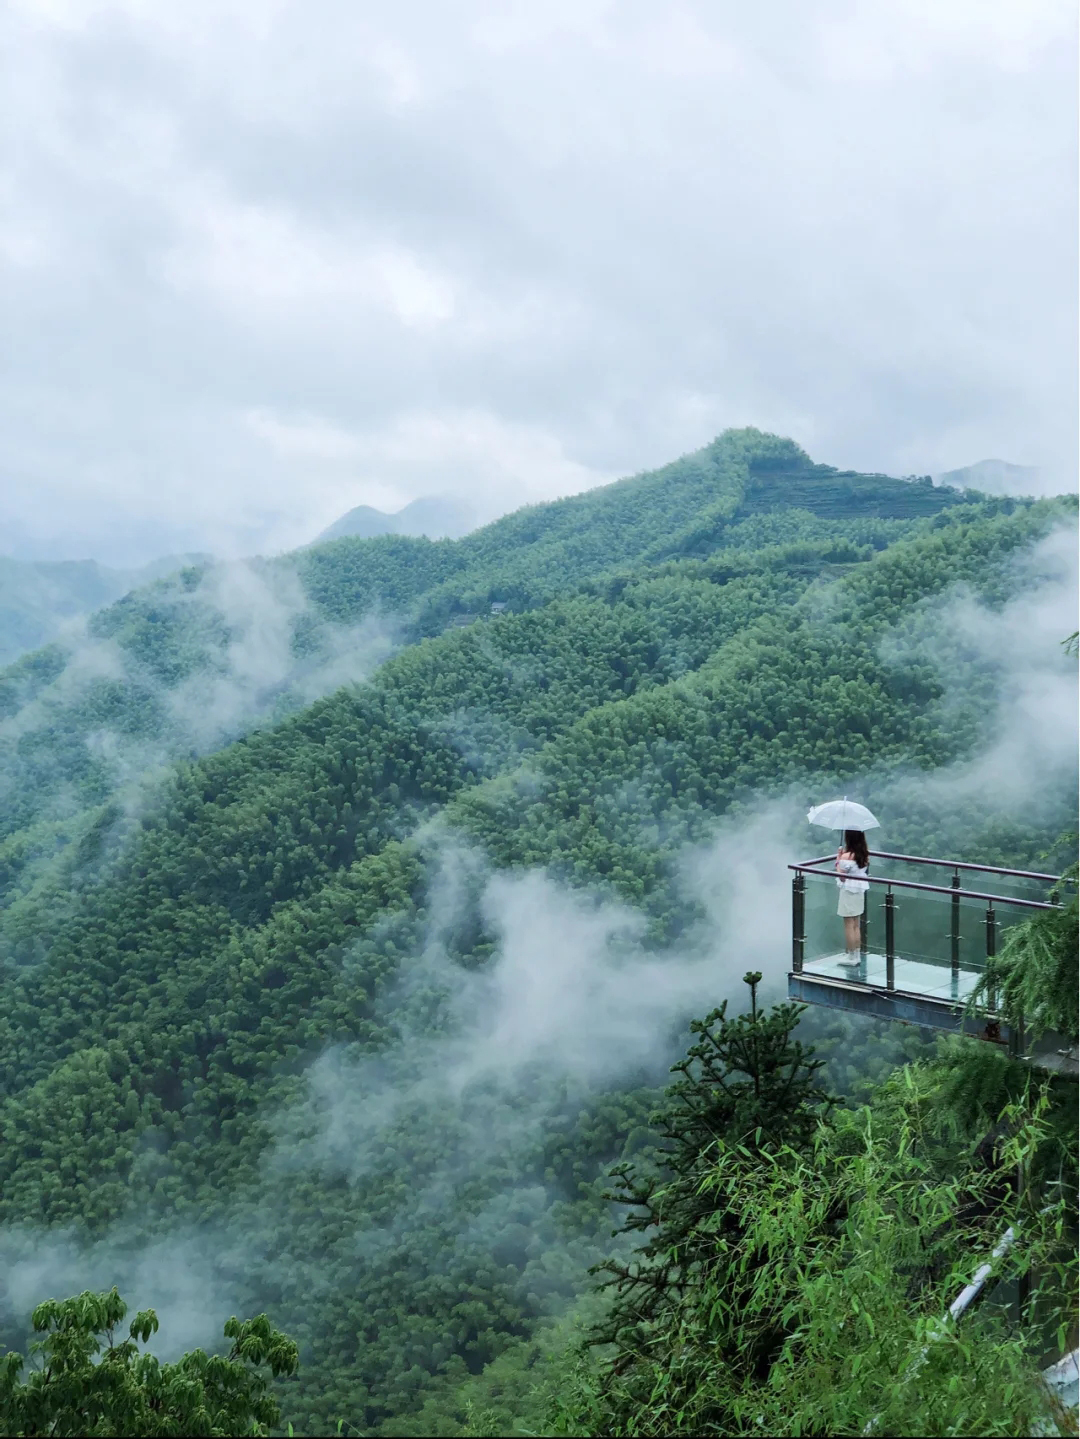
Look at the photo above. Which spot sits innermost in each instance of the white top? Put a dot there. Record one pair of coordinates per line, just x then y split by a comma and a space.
855, 879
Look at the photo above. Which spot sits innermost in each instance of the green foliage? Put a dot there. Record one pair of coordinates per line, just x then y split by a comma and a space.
94, 719
218, 1009
511, 1396
790, 700
746, 1081
955, 1100
39, 599
1035, 976
828, 1311
85, 1382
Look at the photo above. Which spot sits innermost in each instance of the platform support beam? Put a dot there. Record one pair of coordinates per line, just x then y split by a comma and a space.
895, 1004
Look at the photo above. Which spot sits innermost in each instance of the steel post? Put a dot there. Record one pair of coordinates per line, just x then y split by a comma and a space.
954, 936
991, 952
798, 922
890, 940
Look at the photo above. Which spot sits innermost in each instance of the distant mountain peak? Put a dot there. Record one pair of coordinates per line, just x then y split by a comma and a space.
995, 477
438, 517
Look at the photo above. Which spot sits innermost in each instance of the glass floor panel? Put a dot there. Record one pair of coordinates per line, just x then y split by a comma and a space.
911, 975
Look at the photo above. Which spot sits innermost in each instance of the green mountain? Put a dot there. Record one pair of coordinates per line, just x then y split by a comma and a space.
39, 599
348, 1016
195, 660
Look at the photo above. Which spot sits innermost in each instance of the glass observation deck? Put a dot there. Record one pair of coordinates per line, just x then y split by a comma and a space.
928, 927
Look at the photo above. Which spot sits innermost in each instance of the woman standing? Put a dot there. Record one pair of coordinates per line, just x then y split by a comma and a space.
852, 867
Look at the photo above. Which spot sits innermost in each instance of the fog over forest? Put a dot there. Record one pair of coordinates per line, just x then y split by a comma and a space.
473, 479
413, 914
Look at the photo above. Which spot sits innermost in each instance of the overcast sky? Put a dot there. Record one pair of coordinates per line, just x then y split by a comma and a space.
264, 260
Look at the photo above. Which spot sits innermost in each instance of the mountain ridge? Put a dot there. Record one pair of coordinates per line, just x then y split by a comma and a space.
195, 660
339, 1011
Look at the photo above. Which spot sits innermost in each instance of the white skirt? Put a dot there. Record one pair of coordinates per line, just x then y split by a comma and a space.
849, 904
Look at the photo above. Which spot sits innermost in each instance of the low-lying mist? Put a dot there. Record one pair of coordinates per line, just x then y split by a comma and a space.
1005, 663
208, 655
489, 1065
444, 1148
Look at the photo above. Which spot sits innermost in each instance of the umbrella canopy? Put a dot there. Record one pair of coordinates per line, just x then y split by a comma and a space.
843, 814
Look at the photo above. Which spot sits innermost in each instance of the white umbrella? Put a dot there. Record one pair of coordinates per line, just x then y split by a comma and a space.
843, 814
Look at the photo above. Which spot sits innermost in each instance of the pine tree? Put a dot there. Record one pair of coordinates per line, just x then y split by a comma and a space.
745, 1082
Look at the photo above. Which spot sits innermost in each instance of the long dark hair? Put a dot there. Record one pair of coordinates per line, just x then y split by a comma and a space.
855, 844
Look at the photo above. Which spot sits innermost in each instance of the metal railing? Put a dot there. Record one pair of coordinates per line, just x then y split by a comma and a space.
965, 864
959, 954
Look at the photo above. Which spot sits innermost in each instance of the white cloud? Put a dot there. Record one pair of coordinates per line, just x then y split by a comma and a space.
1028, 766
305, 436
500, 466
572, 997
264, 261
193, 1280
606, 229
869, 43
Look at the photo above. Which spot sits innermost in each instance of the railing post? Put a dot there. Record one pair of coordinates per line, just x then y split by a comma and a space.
954, 937
890, 940
798, 921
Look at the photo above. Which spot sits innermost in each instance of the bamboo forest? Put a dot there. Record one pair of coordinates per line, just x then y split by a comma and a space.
399, 1027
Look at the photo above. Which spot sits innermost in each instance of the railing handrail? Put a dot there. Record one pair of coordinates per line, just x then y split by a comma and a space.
963, 864
808, 867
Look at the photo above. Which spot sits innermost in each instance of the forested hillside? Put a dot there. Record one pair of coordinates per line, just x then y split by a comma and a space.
350, 1016
40, 599
198, 659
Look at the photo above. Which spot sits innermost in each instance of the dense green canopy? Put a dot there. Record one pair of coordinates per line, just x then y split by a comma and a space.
254, 1002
